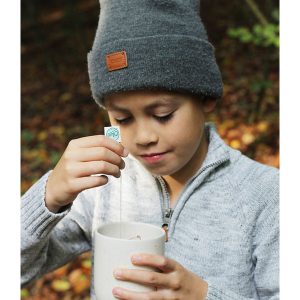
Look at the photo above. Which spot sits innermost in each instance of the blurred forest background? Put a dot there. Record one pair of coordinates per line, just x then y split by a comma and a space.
56, 103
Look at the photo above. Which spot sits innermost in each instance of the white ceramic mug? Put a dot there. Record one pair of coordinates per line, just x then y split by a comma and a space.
115, 243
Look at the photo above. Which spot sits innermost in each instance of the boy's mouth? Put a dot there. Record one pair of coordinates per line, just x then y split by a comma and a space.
153, 157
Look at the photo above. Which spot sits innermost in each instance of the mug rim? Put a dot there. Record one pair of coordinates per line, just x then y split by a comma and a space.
97, 231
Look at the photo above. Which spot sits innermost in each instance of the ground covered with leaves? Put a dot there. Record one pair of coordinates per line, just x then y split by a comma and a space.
57, 105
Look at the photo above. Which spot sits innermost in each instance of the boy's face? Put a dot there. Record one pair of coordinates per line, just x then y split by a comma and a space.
163, 130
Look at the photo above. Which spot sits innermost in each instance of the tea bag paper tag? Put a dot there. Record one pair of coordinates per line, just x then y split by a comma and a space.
113, 132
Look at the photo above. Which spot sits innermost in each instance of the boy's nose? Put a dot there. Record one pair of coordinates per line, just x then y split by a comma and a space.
145, 135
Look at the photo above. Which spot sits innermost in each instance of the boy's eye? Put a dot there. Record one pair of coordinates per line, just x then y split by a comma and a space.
164, 118
123, 120
160, 118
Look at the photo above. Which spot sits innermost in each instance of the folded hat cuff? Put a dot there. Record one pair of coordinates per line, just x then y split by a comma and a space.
169, 62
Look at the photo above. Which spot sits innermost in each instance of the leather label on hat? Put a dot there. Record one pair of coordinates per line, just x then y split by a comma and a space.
116, 61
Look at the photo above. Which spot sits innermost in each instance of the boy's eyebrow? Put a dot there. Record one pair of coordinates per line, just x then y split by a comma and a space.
158, 103
161, 102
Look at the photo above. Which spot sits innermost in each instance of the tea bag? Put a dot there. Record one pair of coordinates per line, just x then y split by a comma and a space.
136, 237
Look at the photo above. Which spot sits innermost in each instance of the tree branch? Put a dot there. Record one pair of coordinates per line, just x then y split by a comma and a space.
257, 12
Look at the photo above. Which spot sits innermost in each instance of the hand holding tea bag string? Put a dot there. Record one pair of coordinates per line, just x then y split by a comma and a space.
83, 158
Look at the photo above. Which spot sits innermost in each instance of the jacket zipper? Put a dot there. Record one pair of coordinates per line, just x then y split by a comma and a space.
167, 211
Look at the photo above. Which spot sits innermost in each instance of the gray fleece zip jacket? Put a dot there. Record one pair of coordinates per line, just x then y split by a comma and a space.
224, 227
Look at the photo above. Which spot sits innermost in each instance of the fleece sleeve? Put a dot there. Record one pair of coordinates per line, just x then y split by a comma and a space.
265, 253
49, 240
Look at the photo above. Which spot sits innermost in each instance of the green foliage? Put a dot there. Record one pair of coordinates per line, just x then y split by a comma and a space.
265, 36
24, 293
275, 15
54, 157
260, 35
259, 85
27, 136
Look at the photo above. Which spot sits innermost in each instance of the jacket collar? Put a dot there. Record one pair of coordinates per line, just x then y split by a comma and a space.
218, 154
218, 151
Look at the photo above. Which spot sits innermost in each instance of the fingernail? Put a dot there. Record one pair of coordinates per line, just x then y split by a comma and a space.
125, 152
116, 292
136, 258
122, 165
118, 274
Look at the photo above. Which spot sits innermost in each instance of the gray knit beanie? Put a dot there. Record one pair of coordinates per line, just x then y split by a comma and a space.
152, 44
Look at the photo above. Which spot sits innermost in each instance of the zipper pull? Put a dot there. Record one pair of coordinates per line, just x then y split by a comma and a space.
168, 214
165, 227
167, 219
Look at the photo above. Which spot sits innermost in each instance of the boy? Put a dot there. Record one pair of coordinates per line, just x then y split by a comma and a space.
153, 69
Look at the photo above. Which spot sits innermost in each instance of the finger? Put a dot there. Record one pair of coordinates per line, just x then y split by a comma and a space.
82, 169
156, 261
99, 141
122, 293
98, 153
144, 277
79, 184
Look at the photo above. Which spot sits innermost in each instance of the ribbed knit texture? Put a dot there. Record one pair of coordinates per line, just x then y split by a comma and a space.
224, 227
164, 41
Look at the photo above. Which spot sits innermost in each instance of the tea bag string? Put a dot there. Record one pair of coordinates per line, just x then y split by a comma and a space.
120, 206
114, 133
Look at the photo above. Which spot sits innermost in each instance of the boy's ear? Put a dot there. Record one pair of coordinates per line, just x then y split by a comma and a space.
209, 104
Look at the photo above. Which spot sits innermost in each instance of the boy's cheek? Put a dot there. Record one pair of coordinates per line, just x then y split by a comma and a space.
128, 142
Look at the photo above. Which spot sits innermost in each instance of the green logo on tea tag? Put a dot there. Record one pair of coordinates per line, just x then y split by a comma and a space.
113, 132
